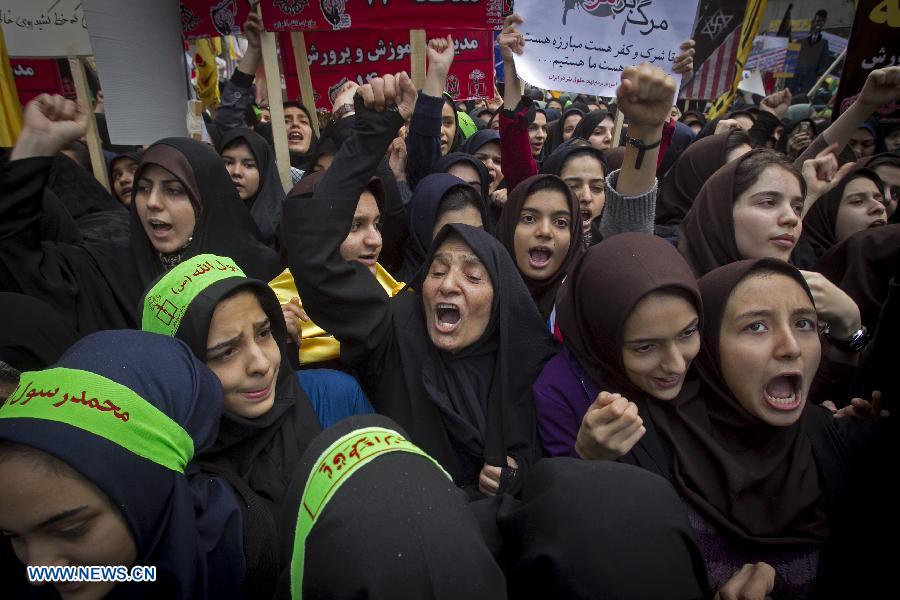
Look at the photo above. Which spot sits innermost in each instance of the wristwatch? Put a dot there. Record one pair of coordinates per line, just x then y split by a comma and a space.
855, 343
341, 111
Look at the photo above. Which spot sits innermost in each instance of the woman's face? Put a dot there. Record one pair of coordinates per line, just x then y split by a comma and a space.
467, 173
890, 175
363, 243
537, 133
489, 154
767, 216
543, 234
323, 163
661, 340
448, 128
569, 125
241, 165
862, 142
554, 104
457, 295
467, 215
55, 517
164, 208
892, 141
584, 176
862, 206
769, 347
242, 353
123, 179
298, 128
601, 137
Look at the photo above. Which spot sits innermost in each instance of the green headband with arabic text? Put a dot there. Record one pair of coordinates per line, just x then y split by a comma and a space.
167, 301
103, 407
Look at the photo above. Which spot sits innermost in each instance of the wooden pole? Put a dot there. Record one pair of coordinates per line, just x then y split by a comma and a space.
276, 107
827, 72
620, 123
419, 52
298, 41
95, 148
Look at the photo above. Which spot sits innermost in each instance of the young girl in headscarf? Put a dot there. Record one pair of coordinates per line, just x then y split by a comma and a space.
250, 162
97, 467
184, 204
768, 477
627, 345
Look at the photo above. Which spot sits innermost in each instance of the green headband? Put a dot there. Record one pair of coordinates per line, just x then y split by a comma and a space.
167, 301
104, 408
334, 467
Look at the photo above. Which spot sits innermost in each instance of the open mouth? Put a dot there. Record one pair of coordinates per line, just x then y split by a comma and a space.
784, 392
446, 317
877, 223
159, 228
539, 257
368, 259
295, 137
126, 191
586, 217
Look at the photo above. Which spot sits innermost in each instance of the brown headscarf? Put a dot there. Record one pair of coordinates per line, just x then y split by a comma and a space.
747, 478
706, 235
601, 291
862, 266
821, 219
543, 292
687, 176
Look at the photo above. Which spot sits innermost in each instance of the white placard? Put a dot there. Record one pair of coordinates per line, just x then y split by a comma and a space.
44, 28
138, 48
584, 49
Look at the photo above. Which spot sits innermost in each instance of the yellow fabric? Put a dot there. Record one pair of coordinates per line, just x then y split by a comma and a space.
10, 111
316, 344
749, 28
207, 74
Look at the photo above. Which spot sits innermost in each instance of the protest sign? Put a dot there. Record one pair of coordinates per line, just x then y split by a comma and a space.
585, 48
360, 54
716, 34
36, 76
874, 44
768, 53
329, 15
45, 29
138, 49
212, 18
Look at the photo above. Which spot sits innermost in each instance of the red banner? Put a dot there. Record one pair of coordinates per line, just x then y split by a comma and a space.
338, 56
329, 15
36, 76
212, 18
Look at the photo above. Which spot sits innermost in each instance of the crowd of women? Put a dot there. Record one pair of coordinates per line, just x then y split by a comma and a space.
476, 354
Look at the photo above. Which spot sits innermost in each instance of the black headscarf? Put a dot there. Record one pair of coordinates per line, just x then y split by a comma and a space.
458, 136
749, 479
298, 161
820, 222
444, 163
423, 208
554, 163
555, 129
186, 524
223, 224
593, 305
478, 139
265, 205
483, 392
32, 333
543, 292
585, 127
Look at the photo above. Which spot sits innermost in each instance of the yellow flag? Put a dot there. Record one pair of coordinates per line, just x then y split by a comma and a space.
207, 73
749, 28
10, 110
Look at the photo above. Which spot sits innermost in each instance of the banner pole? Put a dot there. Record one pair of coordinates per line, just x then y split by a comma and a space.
276, 106
827, 72
298, 41
418, 46
95, 148
620, 124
